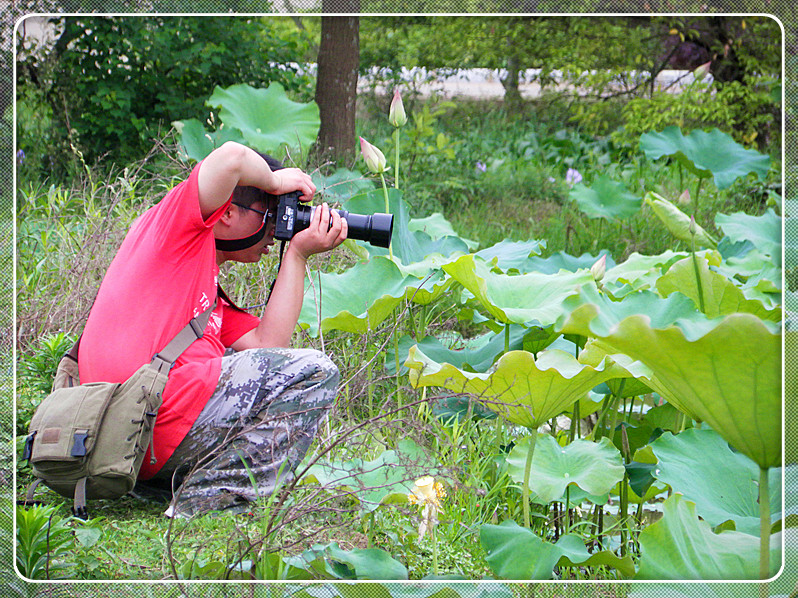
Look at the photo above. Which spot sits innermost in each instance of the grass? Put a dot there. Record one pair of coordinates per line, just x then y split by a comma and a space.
520, 195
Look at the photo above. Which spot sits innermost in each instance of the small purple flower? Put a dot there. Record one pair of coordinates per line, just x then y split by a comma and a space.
481, 167
20, 156
572, 177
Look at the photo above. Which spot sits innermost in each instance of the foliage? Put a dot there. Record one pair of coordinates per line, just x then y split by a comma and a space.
111, 83
42, 541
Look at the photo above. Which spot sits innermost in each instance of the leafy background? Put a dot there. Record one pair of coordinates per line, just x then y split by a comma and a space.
12, 10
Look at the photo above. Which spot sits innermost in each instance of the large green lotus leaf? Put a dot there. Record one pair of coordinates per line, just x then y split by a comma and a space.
638, 272
387, 478
723, 484
609, 313
512, 255
633, 382
575, 554
267, 119
341, 184
593, 466
706, 154
413, 248
563, 261
759, 273
607, 199
197, 142
720, 295
763, 231
678, 223
680, 546
725, 372
359, 563
525, 390
477, 355
380, 287
516, 299
515, 553
437, 227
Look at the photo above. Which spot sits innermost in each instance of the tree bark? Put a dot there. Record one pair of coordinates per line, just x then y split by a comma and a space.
336, 88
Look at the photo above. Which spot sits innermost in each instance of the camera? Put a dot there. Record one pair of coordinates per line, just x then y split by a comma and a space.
294, 216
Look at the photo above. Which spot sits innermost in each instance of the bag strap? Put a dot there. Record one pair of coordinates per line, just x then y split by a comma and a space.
195, 329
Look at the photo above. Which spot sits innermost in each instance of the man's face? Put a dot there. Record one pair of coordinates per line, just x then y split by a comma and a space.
247, 223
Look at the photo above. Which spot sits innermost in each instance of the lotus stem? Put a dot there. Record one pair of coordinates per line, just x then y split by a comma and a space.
527, 471
695, 201
764, 526
567, 526
698, 278
396, 357
396, 178
507, 338
387, 209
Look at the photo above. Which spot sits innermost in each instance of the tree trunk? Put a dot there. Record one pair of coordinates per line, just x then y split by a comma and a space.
336, 88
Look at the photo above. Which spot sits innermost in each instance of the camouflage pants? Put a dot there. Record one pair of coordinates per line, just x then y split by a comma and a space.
260, 421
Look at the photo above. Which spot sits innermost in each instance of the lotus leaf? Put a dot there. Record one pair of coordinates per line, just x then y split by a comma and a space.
360, 563
706, 154
563, 261
607, 199
267, 119
681, 546
764, 231
639, 272
380, 285
512, 255
516, 299
515, 553
723, 484
609, 313
197, 142
678, 222
437, 227
593, 466
725, 372
477, 356
720, 295
525, 390
341, 184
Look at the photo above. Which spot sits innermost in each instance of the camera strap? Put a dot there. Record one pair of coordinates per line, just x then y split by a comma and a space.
244, 243
279, 264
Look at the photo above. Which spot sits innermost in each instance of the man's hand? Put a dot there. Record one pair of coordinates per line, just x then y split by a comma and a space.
326, 231
293, 179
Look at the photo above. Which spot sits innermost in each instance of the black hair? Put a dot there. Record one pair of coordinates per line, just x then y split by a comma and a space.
246, 196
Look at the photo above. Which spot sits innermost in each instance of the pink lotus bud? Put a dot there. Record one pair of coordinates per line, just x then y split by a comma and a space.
701, 71
692, 228
599, 268
684, 198
375, 160
397, 116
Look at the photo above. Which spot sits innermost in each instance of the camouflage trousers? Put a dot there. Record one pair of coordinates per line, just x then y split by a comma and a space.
254, 431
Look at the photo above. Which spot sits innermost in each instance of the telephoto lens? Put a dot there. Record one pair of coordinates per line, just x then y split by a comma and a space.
293, 216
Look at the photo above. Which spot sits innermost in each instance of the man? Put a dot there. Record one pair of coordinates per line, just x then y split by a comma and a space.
223, 416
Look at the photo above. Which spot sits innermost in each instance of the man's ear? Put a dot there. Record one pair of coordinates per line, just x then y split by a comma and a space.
229, 215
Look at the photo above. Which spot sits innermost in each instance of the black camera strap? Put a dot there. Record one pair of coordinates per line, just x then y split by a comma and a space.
244, 243
279, 265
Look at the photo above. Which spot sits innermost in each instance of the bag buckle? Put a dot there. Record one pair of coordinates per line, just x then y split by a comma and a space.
162, 365
79, 447
27, 451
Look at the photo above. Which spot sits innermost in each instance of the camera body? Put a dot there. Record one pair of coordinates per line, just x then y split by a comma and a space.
294, 216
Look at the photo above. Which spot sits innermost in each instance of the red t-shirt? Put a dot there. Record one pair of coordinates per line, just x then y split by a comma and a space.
164, 274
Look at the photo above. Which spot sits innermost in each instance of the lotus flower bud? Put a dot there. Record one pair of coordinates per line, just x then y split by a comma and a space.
692, 227
375, 159
701, 71
684, 198
397, 116
599, 268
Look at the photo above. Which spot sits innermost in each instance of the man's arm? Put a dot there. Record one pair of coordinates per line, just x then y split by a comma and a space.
233, 164
282, 312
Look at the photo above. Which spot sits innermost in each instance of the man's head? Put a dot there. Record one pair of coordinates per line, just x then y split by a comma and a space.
246, 229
